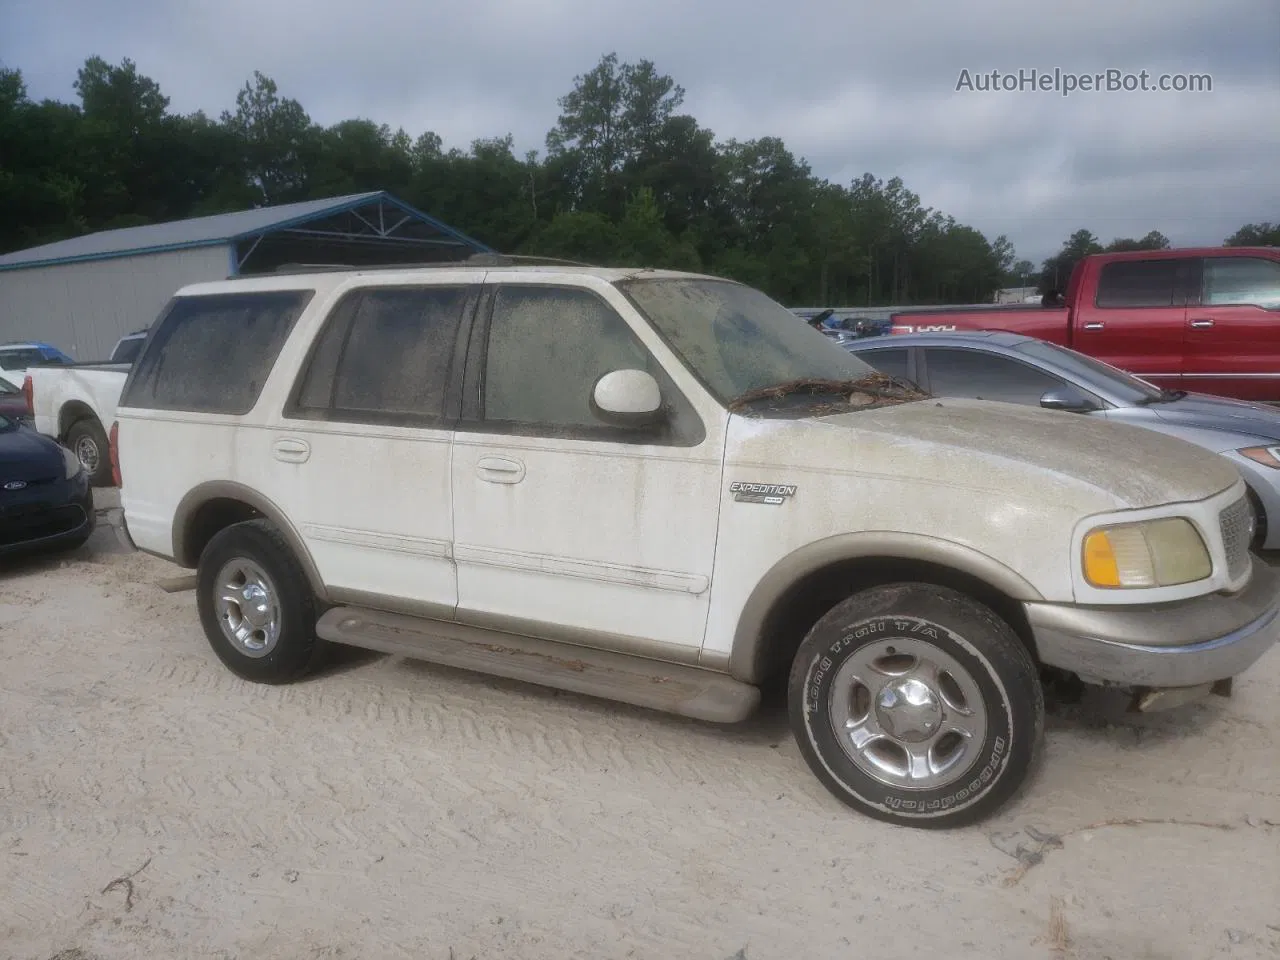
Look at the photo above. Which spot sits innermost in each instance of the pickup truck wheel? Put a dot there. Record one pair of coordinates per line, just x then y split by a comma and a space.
87, 441
917, 705
256, 605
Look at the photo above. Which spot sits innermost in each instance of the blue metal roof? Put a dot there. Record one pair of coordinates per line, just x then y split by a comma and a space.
211, 231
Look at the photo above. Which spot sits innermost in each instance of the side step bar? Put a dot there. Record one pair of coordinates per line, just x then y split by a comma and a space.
669, 688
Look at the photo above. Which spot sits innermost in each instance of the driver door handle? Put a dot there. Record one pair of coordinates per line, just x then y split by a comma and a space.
1094, 325
1202, 322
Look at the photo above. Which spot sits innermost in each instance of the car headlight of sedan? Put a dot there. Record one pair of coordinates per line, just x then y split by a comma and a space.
1153, 553
1267, 456
72, 463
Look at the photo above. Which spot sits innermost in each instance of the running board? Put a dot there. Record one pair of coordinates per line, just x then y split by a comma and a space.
669, 688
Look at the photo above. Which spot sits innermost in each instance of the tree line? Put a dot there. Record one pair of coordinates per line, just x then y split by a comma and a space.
627, 177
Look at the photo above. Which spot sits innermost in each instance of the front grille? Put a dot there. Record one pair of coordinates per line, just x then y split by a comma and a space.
1237, 522
22, 524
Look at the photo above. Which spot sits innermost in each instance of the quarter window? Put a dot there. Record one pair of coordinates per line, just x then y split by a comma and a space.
213, 354
384, 356
1242, 280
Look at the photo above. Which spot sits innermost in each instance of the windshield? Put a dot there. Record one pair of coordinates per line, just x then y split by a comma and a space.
736, 340
1124, 386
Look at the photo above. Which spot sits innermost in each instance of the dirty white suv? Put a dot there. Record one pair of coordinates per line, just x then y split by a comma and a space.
664, 489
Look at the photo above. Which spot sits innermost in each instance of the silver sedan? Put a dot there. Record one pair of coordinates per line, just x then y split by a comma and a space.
1018, 369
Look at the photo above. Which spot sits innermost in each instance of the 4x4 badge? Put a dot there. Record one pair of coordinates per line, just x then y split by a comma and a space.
773, 494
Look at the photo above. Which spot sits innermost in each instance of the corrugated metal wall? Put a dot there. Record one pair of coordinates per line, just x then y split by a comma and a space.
84, 308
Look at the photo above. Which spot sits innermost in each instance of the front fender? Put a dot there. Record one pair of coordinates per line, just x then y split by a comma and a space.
748, 655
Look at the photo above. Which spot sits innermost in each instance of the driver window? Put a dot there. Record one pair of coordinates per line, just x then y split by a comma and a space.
548, 346
985, 376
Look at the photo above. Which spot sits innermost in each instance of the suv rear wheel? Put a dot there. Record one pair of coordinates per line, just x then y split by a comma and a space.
255, 603
917, 705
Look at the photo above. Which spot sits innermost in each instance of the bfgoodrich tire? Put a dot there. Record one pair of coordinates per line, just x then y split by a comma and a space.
256, 606
917, 705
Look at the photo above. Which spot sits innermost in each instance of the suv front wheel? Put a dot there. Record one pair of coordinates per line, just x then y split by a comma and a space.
255, 603
917, 705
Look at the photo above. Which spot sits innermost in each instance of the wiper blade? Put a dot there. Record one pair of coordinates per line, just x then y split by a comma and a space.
875, 389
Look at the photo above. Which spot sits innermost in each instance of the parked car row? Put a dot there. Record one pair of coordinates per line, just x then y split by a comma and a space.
1196, 319
622, 484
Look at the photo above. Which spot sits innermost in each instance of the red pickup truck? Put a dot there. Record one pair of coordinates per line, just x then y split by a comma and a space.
1204, 320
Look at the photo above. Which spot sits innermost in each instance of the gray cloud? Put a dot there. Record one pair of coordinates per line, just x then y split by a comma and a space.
851, 87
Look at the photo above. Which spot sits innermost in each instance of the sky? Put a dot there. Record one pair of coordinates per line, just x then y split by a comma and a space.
852, 86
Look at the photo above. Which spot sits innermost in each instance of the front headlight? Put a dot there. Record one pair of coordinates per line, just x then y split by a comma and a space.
1267, 456
72, 463
1154, 553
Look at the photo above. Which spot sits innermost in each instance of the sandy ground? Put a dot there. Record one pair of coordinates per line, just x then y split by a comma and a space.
389, 809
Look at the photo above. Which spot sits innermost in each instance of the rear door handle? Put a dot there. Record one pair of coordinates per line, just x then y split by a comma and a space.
290, 450
1095, 325
1202, 322
500, 470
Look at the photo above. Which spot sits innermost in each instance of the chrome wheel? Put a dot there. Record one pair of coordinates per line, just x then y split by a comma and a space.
907, 713
248, 608
87, 452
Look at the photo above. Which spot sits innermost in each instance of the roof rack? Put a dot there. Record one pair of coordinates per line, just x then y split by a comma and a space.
475, 260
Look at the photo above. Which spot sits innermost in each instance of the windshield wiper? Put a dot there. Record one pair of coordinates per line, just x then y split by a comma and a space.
876, 389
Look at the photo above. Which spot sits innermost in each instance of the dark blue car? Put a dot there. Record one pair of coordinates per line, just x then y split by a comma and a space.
45, 498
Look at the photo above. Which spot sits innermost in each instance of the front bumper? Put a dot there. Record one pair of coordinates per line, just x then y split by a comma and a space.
1180, 644
46, 516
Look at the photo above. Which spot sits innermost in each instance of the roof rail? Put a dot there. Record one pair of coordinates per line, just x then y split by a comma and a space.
475, 260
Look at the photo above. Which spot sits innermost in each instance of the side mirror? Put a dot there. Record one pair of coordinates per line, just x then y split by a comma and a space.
1069, 399
627, 398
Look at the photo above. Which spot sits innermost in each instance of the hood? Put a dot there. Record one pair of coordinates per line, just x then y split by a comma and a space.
1017, 453
27, 455
1219, 413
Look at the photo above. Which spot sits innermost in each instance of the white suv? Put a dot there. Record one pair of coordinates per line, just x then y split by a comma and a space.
661, 488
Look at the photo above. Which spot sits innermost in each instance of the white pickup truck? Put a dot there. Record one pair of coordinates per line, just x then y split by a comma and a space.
660, 488
76, 405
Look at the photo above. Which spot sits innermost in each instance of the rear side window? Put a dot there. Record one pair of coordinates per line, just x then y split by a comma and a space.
213, 354
127, 350
383, 357
1138, 283
21, 359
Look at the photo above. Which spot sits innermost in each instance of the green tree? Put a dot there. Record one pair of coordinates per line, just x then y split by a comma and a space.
1263, 234
277, 140
1155, 240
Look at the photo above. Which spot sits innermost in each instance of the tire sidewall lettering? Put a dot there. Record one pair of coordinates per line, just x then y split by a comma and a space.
981, 775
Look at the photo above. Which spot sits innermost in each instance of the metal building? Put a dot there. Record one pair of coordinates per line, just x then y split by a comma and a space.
83, 294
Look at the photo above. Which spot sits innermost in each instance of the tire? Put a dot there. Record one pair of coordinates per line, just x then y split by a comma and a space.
271, 640
88, 442
864, 669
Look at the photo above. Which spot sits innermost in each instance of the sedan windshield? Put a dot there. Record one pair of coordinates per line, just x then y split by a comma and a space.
742, 345
1125, 387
